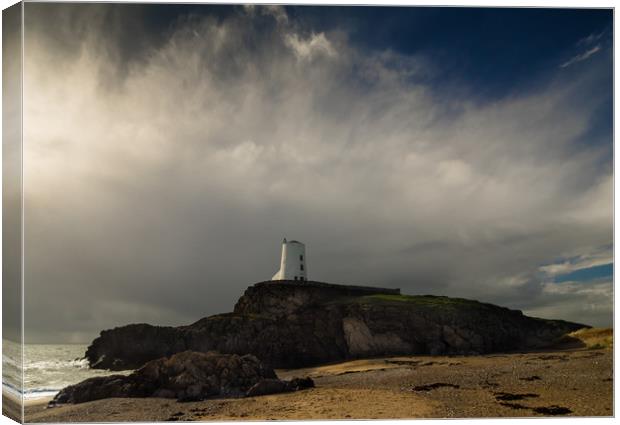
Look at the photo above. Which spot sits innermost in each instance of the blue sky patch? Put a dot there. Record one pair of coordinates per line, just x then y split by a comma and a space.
591, 273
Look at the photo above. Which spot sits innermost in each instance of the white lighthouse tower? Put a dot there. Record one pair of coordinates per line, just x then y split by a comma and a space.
293, 262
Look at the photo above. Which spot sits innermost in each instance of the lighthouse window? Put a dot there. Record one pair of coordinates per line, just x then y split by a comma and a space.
301, 266
301, 258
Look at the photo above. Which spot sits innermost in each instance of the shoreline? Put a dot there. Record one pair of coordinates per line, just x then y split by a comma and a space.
43, 400
574, 382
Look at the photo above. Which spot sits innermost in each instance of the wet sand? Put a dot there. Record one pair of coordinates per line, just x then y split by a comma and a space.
11, 406
557, 383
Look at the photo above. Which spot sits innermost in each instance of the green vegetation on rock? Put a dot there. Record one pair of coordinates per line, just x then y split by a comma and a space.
422, 300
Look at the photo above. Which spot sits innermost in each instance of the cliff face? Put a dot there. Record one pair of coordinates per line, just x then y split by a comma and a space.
295, 324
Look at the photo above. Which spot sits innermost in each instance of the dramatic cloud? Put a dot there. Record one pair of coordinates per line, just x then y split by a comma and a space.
592, 44
592, 38
598, 257
581, 57
317, 44
593, 300
160, 181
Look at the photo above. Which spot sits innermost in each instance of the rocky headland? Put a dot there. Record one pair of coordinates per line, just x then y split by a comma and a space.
290, 324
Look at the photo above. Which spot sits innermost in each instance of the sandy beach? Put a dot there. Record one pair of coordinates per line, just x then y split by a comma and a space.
11, 406
576, 382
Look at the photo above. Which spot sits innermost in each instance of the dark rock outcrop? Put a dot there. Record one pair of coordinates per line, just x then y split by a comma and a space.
152, 343
275, 386
294, 324
186, 376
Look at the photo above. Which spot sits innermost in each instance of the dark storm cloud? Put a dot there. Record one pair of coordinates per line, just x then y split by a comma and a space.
162, 173
125, 34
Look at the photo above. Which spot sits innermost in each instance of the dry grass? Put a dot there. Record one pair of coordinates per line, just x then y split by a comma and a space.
595, 337
589, 338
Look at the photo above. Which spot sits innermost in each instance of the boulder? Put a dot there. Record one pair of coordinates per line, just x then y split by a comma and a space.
186, 376
301, 383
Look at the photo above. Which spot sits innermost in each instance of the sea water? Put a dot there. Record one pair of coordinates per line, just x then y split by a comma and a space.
11, 368
47, 368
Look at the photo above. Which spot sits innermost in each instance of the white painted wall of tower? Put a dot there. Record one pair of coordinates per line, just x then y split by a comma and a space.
292, 262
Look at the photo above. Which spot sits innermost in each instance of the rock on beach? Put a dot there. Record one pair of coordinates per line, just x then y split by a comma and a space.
186, 376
